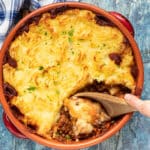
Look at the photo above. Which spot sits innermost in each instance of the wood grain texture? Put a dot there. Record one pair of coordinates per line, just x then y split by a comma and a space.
136, 133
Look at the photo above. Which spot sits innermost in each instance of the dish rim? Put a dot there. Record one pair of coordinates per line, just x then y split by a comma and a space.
90, 141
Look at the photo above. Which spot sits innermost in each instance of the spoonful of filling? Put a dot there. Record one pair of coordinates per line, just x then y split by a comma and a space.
91, 108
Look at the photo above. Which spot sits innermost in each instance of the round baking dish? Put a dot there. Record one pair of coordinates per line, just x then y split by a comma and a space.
125, 27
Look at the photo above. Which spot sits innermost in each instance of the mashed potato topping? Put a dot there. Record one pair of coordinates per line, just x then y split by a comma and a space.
59, 56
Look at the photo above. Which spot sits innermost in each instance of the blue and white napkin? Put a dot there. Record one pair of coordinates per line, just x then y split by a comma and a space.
9, 11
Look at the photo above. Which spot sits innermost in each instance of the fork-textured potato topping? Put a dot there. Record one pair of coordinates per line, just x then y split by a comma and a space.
57, 57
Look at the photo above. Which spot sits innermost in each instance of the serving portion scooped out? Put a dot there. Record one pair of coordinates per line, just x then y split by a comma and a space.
58, 54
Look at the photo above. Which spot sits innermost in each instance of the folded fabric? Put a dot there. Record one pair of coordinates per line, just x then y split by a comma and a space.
10, 11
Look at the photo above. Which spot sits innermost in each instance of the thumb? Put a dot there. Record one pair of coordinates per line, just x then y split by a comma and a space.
142, 106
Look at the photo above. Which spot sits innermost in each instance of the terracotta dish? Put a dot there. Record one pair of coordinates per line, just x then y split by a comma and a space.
23, 127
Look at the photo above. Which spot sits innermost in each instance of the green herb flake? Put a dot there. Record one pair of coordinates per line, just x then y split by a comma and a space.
41, 67
31, 88
72, 52
104, 44
58, 63
70, 40
68, 137
63, 32
45, 33
70, 33
58, 72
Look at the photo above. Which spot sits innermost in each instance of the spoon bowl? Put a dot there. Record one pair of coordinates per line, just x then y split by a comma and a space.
114, 106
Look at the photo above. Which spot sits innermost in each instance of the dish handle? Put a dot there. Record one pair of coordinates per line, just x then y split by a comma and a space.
11, 128
124, 21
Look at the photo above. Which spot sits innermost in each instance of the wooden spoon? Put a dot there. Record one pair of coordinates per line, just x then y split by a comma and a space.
114, 106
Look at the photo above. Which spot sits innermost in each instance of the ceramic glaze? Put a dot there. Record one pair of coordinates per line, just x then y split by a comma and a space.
32, 146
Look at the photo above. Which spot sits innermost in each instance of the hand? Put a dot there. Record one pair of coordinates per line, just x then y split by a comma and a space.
142, 106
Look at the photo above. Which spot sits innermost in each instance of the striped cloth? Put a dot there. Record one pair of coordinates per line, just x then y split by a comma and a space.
10, 12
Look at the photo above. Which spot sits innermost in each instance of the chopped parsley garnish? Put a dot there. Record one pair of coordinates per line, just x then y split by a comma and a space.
104, 44
64, 32
72, 52
45, 33
70, 33
58, 63
68, 137
70, 39
31, 88
41, 67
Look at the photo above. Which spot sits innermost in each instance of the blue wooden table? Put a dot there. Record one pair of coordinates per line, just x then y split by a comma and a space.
136, 133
